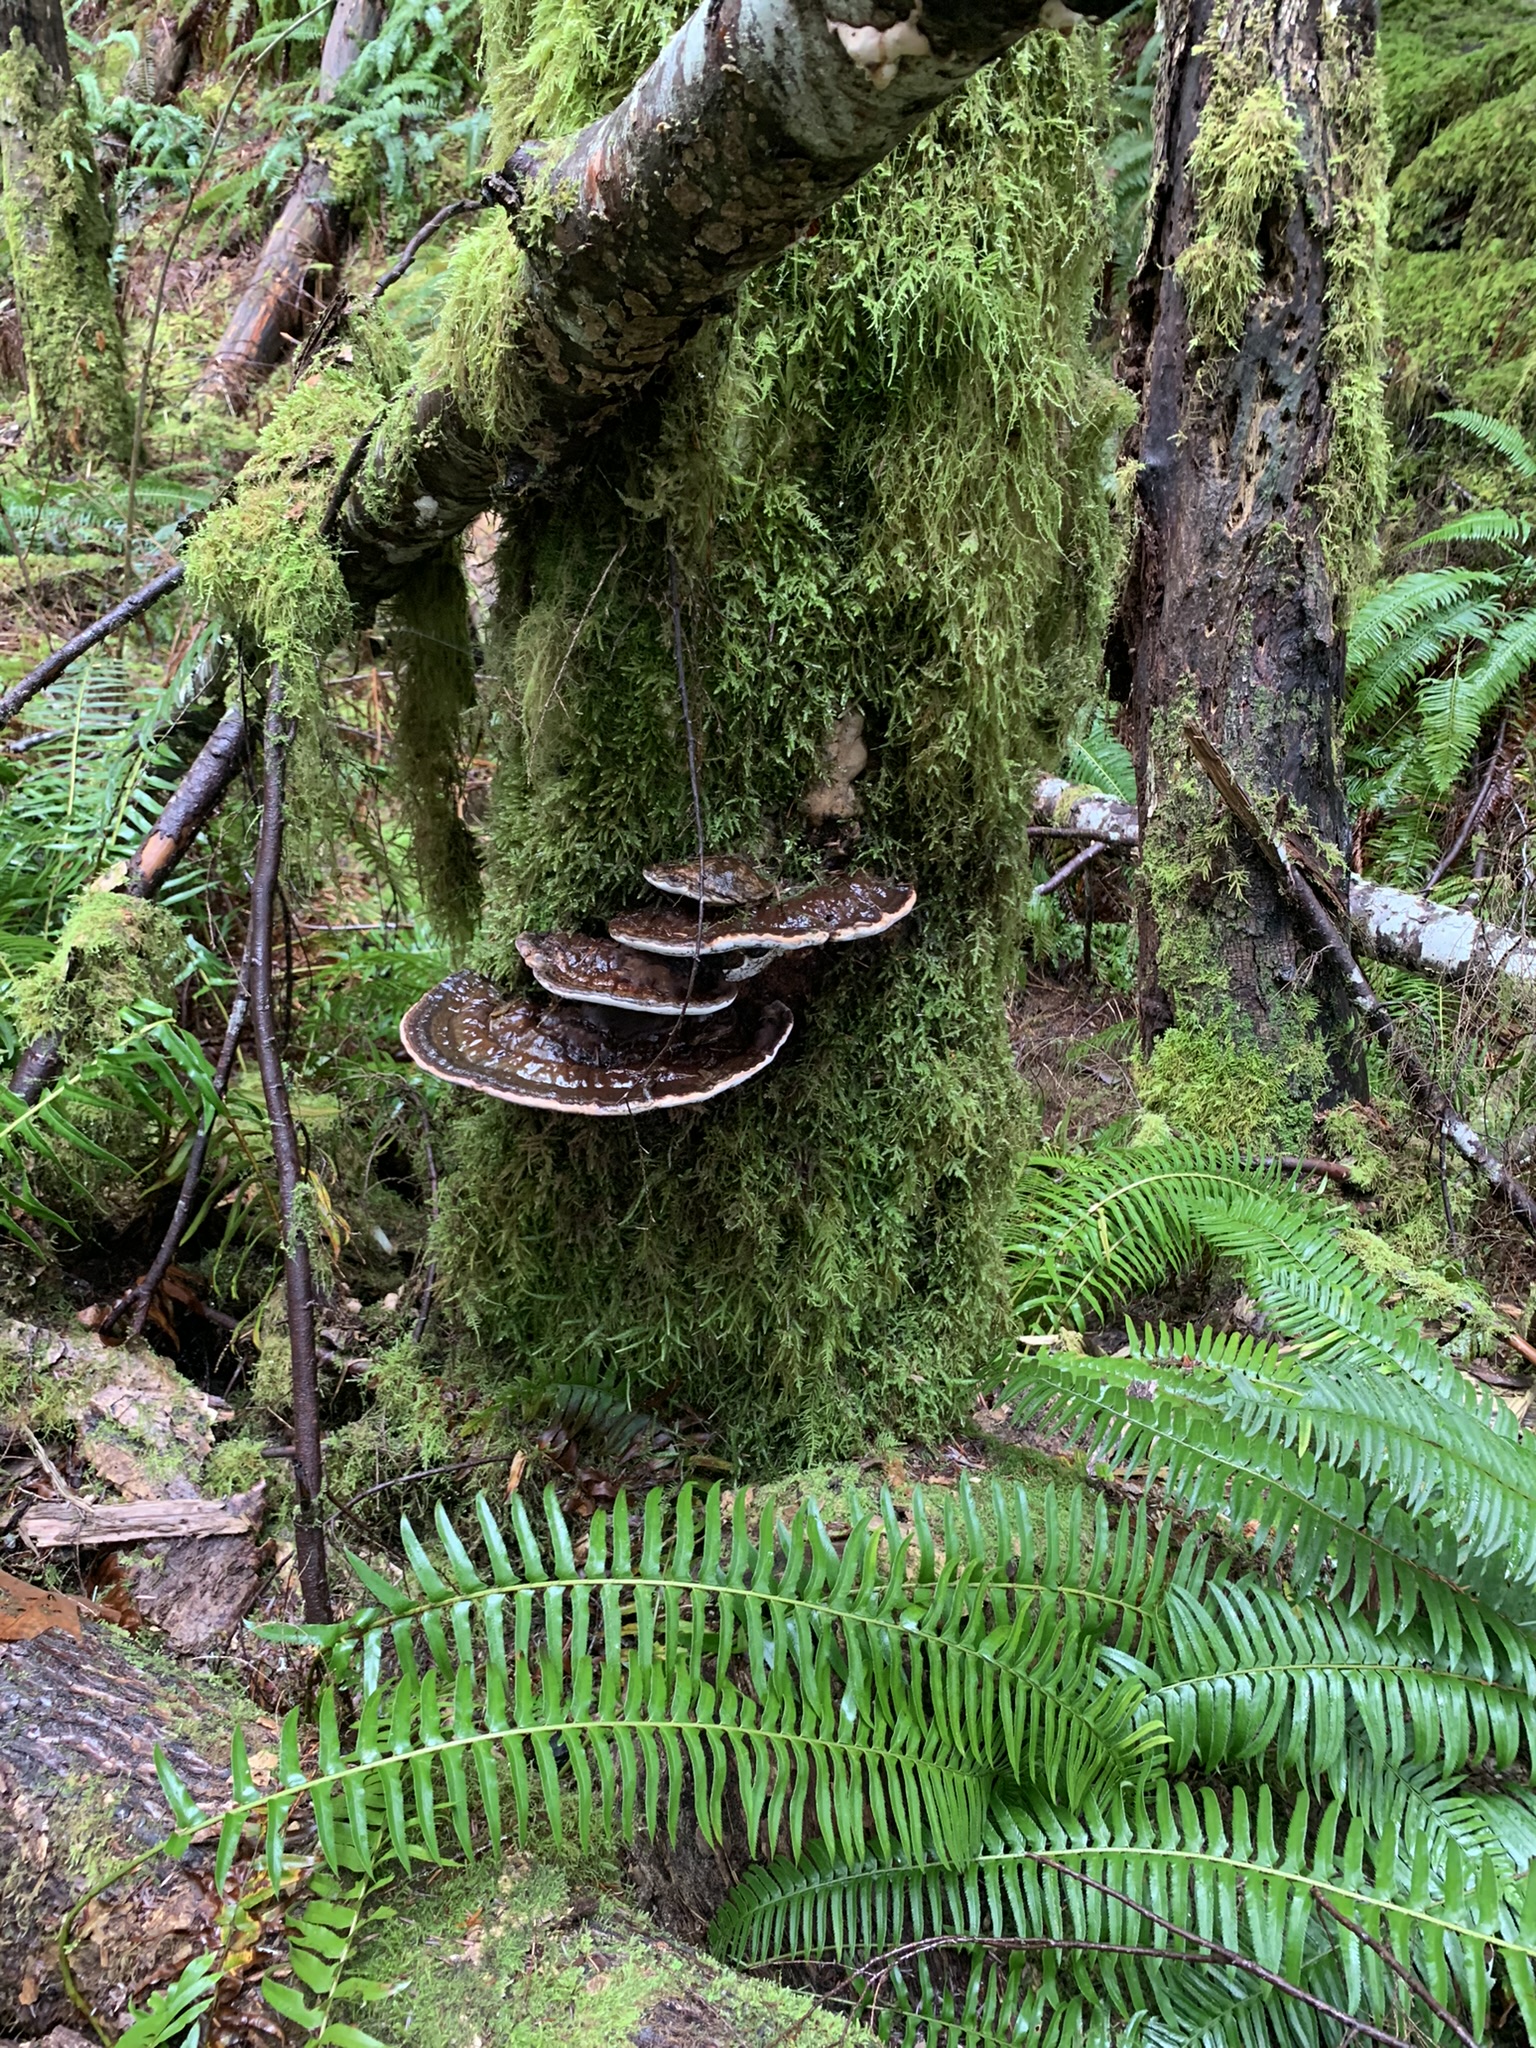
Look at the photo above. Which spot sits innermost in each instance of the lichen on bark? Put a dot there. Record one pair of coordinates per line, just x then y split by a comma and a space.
884, 480
57, 234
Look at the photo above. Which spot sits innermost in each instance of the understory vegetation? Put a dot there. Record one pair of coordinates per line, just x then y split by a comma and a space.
1012, 1528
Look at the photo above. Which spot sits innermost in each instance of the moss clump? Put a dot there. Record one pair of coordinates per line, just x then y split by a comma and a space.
885, 481
1205, 1084
407, 1425
434, 686
113, 954
59, 242
1245, 160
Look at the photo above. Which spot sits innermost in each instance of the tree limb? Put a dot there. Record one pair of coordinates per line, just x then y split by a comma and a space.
121, 615
309, 1534
752, 121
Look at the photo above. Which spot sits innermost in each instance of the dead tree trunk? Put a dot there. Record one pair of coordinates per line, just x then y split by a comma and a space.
79, 1718
298, 261
59, 242
1252, 342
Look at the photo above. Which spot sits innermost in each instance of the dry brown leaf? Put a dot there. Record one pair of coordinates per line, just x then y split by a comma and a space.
25, 1611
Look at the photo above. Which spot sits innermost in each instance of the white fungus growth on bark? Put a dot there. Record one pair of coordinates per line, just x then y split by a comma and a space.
880, 51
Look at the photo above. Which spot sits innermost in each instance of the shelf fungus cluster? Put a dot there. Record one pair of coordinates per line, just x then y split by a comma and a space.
659, 1014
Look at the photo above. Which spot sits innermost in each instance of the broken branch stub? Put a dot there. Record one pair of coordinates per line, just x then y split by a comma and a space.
556, 1055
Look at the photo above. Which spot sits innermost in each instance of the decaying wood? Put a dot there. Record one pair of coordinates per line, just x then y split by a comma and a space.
1228, 608
1387, 924
1303, 881
84, 1525
303, 251
79, 1720
752, 121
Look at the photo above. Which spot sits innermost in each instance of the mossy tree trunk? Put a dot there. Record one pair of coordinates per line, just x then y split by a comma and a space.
59, 241
881, 479
1253, 345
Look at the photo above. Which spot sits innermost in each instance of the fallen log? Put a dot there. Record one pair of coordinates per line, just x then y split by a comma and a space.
305, 246
1390, 925
80, 1716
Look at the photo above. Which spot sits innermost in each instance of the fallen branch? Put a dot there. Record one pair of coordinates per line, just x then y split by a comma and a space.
307, 240
111, 622
1476, 812
1068, 869
309, 1532
82, 1525
193, 802
1390, 925
1289, 859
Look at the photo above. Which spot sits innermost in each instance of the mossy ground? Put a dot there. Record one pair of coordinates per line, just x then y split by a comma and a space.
536, 1952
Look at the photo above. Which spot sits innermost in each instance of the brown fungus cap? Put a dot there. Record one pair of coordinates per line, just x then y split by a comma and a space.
616, 977
551, 1055
836, 911
723, 880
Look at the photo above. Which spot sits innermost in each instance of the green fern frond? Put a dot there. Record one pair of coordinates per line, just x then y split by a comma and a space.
1240, 1674
1258, 1881
1097, 758
1378, 684
1423, 1802
1499, 435
1486, 525
1383, 618
1096, 1229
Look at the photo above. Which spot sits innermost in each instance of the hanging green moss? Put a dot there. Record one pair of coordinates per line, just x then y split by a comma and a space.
59, 242
886, 482
434, 686
1245, 158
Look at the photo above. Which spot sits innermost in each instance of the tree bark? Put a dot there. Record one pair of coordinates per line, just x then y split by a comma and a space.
752, 121
296, 269
1250, 342
79, 1719
59, 241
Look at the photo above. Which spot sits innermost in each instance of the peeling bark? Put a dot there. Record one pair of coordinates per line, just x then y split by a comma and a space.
1230, 609
750, 123
296, 269
1388, 924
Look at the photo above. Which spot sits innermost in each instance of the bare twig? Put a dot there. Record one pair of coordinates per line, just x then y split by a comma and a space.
1404, 1976
1068, 869
419, 240
1292, 1162
309, 1532
1423, 1090
103, 628
1474, 817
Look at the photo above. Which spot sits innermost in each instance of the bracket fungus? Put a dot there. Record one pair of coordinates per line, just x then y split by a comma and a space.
561, 1056
622, 1024
835, 912
616, 977
723, 880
